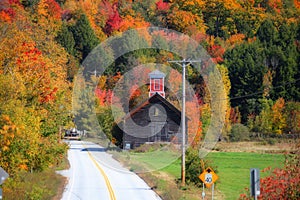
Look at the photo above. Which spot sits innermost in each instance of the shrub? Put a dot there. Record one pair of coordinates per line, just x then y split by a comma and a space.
239, 132
33, 186
193, 167
282, 183
271, 141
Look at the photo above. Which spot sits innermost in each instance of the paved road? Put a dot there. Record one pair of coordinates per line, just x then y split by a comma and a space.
94, 174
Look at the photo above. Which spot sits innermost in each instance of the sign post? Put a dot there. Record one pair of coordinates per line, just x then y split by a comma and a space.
3, 175
254, 183
208, 177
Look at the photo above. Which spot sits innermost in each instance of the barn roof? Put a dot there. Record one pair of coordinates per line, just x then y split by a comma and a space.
156, 74
154, 99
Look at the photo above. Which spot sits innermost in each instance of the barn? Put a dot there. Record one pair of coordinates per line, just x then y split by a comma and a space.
154, 120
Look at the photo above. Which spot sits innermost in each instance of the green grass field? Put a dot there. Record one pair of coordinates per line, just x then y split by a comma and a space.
233, 169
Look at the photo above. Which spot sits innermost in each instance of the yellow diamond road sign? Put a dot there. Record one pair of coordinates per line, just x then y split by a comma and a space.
208, 177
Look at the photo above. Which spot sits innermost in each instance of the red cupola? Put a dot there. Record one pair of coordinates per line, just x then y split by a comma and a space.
157, 79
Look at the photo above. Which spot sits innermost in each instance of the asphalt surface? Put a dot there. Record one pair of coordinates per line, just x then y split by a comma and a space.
94, 174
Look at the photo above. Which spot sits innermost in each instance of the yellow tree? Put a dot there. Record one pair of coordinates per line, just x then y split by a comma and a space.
7, 133
19, 128
218, 103
49, 15
32, 85
279, 121
194, 6
227, 86
95, 11
194, 123
182, 20
129, 22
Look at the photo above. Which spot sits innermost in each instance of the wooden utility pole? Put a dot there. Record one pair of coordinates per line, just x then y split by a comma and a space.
183, 63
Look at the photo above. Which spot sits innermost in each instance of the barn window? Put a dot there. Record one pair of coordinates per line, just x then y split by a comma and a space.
156, 111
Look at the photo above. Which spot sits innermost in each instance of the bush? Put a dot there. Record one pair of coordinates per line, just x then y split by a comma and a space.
271, 141
193, 166
282, 183
239, 132
33, 186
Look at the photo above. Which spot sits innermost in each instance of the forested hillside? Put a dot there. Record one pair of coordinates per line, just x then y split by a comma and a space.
255, 44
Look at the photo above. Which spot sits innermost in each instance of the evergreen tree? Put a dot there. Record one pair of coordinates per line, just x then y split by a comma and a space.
29, 3
66, 39
281, 58
284, 81
246, 70
61, 2
217, 17
84, 36
267, 33
287, 35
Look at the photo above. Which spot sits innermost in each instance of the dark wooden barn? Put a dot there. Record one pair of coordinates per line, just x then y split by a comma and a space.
154, 120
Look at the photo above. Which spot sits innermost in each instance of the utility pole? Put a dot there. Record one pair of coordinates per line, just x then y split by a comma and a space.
94, 72
183, 63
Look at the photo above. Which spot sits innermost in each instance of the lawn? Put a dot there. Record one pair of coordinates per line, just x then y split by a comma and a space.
151, 161
233, 169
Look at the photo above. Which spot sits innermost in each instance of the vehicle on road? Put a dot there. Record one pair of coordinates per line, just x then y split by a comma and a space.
73, 134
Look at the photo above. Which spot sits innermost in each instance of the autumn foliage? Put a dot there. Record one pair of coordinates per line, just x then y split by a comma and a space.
104, 96
43, 43
114, 21
162, 6
33, 87
282, 183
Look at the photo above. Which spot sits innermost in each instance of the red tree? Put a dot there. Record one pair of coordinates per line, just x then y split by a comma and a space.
114, 21
216, 52
162, 6
282, 183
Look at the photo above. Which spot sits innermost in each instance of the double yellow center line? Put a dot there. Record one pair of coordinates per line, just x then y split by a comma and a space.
109, 187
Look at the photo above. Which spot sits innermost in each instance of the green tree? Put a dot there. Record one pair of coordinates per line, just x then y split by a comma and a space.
106, 120
284, 81
292, 115
29, 3
246, 66
66, 39
267, 33
61, 2
262, 123
84, 36
248, 18
195, 165
239, 132
281, 58
218, 18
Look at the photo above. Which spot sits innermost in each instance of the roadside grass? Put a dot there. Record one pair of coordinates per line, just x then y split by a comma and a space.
233, 169
153, 161
34, 186
233, 161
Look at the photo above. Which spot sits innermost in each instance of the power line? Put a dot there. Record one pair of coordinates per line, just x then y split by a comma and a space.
259, 92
